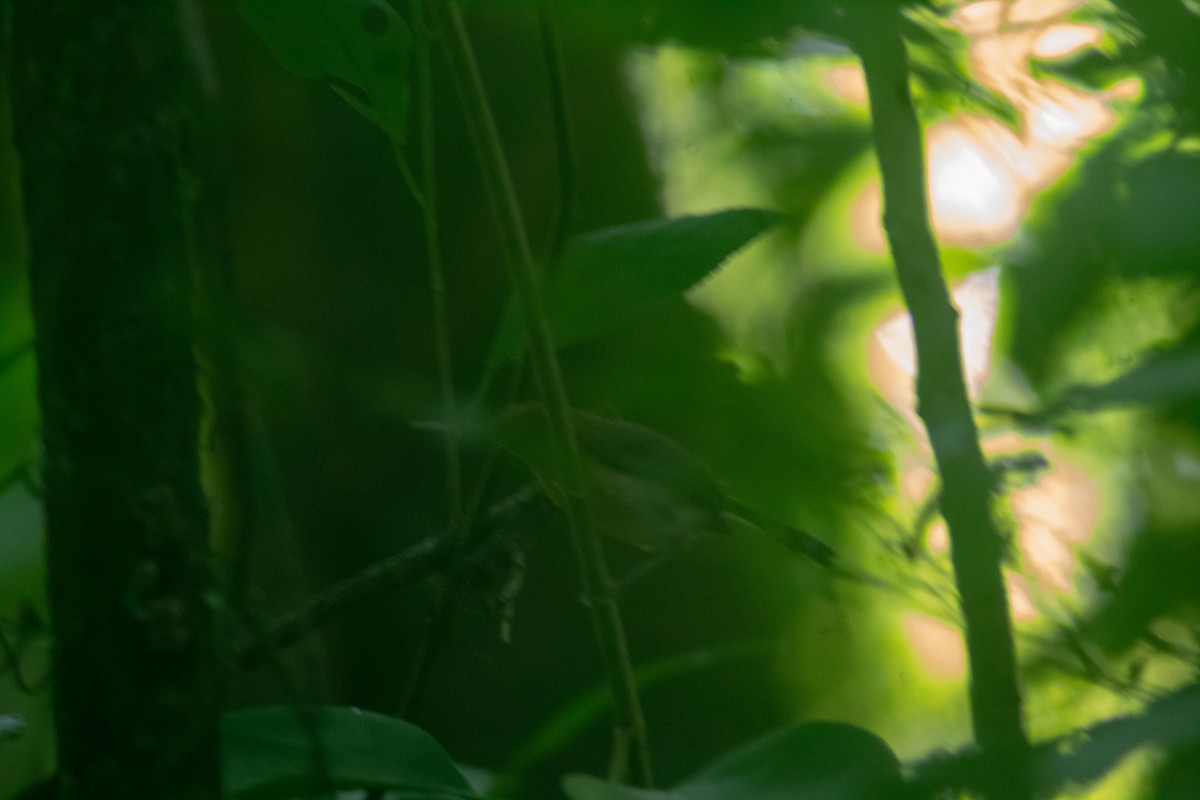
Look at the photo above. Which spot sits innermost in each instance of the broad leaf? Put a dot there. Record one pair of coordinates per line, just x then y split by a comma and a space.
360, 47
1167, 376
816, 761
610, 277
268, 753
1172, 376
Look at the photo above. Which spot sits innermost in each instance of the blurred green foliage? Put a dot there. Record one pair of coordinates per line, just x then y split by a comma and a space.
676, 108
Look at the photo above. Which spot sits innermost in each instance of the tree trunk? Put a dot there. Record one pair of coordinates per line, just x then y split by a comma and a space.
98, 90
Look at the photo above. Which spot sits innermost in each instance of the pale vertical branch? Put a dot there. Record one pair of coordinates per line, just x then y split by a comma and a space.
943, 404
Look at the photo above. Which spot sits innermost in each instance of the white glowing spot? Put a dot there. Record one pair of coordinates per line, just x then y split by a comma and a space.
938, 646
1027, 12
973, 197
1065, 39
977, 298
1063, 117
976, 18
990, 16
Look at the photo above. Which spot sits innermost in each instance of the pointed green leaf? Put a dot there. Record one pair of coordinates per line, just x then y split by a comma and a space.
268, 753
815, 761
360, 47
610, 277
1166, 376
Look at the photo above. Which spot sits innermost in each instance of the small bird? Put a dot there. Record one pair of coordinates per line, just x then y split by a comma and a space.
644, 488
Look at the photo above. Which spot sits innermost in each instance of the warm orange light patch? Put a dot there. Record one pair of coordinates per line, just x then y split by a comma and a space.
891, 356
916, 480
939, 537
982, 176
1063, 118
1019, 598
865, 218
847, 82
938, 646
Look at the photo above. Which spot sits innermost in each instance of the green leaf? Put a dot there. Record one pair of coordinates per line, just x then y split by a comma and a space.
939, 60
585, 787
15, 356
1156, 223
1166, 376
610, 277
815, 761
268, 753
360, 47
588, 709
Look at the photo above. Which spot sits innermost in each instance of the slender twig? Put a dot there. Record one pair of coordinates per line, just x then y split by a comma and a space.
439, 617
560, 230
433, 253
437, 554
629, 727
552, 55
976, 546
415, 560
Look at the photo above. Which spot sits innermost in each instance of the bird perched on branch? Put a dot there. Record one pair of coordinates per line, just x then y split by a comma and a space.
643, 488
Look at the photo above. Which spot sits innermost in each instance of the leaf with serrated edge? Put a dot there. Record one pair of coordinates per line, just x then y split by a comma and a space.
609, 278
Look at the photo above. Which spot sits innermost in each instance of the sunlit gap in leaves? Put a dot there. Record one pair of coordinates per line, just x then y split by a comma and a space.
792, 132
982, 176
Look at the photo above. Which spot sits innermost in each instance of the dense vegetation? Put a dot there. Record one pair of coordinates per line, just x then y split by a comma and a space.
438, 399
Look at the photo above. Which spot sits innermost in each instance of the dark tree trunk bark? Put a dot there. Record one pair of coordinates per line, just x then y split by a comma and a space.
97, 96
